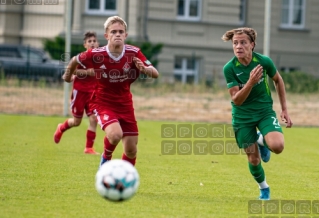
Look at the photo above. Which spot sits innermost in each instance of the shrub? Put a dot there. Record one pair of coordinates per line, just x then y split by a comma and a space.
149, 50
299, 82
56, 48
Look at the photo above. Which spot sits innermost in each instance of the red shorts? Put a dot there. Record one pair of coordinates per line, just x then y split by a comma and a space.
80, 101
126, 120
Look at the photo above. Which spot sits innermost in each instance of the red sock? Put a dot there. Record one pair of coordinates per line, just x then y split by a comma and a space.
65, 126
132, 161
90, 137
108, 149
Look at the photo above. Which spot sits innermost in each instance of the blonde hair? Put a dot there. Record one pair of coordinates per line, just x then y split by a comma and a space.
250, 32
112, 20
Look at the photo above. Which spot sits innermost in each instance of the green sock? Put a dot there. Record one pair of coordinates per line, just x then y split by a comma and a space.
257, 172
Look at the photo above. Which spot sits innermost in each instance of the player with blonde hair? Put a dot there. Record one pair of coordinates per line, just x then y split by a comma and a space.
116, 66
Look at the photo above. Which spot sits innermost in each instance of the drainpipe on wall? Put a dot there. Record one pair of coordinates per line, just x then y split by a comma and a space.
145, 35
267, 30
67, 55
127, 12
21, 24
267, 26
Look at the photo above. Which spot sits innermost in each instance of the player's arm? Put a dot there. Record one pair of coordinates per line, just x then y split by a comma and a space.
240, 95
280, 88
69, 71
72, 70
150, 71
83, 59
82, 72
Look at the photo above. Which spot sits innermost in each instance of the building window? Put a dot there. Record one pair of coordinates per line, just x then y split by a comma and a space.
186, 70
242, 11
189, 9
289, 69
293, 13
105, 7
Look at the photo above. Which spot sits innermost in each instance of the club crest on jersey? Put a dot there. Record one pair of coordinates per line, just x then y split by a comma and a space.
104, 75
105, 117
147, 62
102, 66
126, 67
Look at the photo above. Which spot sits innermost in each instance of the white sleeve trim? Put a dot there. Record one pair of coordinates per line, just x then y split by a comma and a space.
79, 62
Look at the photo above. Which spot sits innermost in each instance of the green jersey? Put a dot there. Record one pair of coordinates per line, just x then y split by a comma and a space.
259, 99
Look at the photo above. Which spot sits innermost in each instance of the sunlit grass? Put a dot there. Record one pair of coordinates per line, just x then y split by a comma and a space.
43, 179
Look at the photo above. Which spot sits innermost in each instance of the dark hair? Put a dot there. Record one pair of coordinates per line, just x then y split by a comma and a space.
89, 34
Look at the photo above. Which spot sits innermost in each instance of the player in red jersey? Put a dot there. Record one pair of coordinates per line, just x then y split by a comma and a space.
116, 66
83, 87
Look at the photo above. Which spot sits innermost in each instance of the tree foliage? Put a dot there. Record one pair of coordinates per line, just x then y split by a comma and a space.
299, 82
149, 50
56, 48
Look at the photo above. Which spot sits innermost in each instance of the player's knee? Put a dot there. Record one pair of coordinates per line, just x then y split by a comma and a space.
77, 122
115, 137
93, 125
278, 147
276, 142
131, 153
93, 120
254, 160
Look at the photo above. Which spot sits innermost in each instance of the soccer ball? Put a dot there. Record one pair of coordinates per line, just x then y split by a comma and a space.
117, 180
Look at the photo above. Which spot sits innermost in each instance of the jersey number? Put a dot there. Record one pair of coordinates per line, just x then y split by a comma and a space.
276, 122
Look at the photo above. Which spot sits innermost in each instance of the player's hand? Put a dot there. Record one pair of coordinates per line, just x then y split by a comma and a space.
139, 64
91, 72
73, 77
285, 117
255, 75
63, 76
67, 75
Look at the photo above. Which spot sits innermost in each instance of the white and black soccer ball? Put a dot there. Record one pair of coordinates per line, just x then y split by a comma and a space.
117, 180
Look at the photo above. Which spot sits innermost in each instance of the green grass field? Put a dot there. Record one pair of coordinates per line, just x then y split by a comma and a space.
41, 179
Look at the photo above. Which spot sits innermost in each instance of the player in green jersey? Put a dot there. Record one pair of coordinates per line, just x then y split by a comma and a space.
252, 106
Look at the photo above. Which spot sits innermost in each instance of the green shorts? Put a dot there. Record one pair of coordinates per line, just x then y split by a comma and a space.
246, 134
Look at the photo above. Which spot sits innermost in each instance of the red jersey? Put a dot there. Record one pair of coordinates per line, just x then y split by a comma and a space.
114, 75
84, 83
